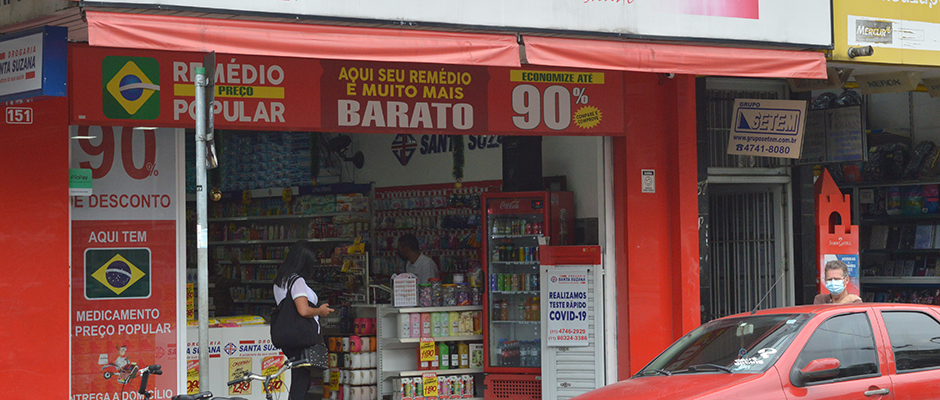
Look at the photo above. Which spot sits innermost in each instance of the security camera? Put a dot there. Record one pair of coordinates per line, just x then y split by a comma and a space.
669, 75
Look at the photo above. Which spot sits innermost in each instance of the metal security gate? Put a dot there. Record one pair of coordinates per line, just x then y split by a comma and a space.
745, 219
748, 247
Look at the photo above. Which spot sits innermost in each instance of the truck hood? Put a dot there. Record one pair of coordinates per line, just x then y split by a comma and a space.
680, 386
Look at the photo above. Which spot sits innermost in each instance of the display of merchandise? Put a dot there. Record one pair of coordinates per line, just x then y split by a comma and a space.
251, 232
352, 373
446, 221
515, 223
256, 160
897, 203
449, 338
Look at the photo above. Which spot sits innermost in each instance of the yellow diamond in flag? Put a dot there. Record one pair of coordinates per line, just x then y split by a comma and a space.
131, 87
118, 274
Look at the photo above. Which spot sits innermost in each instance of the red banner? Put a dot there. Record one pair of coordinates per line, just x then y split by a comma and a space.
152, 88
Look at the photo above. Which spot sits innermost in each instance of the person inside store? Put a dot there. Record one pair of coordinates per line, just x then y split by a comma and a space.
422, 266
300, 261
837, 284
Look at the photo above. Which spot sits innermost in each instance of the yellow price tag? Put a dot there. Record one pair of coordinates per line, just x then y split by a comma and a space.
429, 383
428, 349
334, 379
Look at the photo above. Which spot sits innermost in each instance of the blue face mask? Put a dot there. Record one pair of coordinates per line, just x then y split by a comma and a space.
835, 286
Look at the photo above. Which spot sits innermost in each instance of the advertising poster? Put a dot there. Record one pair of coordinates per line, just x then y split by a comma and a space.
567, 307
232, 352
155, 88
124, 264
559, 101
767, 128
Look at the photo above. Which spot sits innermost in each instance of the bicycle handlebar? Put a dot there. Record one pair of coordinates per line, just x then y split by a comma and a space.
145, 375
249, 376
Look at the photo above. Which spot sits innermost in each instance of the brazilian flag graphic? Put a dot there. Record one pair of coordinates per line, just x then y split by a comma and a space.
131, 87
117, 273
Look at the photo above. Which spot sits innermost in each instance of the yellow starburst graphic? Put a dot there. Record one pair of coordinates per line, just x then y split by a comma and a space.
118, 271
587, 117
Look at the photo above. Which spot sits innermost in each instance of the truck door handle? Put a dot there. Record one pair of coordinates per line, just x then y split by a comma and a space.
876, 392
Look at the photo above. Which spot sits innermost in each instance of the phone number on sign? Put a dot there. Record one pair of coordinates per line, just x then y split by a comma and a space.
572, 331
763, 148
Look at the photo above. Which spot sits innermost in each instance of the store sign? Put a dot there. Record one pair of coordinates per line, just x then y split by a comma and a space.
124, 247
767, 128
836, 78
147, 88
33, 63
900, 31
568, 318
933, 86
889, 82
748, 20
80, 182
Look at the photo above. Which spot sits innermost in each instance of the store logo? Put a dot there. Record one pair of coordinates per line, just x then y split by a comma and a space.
873, 31
511, 205
554, 279
230, 348
117, 273
403, 147
131, 87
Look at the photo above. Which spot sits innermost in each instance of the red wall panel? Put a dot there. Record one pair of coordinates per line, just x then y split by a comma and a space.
656, 233
34, 236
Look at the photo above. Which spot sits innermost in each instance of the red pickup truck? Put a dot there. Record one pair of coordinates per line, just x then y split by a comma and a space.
857, 351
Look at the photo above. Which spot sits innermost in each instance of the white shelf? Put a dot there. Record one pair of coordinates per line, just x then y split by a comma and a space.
905, 280
502, 236
408, 310
534, 292
289, 216
405, 343
283, 241
406, 374
516, 322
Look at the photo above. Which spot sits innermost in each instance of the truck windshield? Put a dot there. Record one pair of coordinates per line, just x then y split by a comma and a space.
748, 344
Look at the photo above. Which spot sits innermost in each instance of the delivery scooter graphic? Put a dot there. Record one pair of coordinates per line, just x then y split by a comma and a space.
121, 366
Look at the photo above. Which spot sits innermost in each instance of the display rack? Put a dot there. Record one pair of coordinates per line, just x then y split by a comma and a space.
898, 257
251, 232
443, 217
397, 356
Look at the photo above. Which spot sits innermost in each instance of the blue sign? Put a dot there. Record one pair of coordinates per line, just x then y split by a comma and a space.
33, 64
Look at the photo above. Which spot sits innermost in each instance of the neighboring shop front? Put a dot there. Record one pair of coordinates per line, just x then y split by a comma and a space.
638, 99
885, 70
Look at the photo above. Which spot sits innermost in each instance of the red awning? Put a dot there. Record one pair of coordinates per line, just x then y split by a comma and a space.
674, 58
163, 32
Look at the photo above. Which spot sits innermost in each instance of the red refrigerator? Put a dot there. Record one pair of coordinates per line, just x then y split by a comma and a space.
513, 224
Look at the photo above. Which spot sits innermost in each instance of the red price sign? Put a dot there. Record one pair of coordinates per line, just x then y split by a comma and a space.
428, 349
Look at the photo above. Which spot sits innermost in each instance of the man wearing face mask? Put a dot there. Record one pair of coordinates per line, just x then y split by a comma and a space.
837, 281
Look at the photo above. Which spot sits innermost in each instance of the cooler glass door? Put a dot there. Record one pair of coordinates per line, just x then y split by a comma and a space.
513, 228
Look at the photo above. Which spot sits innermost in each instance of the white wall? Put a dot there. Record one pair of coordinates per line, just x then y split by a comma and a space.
574, 157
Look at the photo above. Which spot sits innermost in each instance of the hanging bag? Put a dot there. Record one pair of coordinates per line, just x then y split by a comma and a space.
289, 329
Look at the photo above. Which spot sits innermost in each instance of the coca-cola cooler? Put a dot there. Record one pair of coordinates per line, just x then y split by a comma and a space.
514, 225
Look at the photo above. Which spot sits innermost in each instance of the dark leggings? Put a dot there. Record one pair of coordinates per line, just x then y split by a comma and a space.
299, 377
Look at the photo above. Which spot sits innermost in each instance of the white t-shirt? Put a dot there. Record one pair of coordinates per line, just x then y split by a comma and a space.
300, 289
424, 268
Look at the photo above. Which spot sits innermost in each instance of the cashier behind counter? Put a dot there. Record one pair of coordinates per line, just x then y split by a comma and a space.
419, 264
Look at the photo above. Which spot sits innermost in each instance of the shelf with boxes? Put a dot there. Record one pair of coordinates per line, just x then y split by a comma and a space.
443, 341
445, 219
899, 239
250, 233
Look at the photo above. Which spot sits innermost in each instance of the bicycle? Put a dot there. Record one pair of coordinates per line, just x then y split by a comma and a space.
156, 370
266, 379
